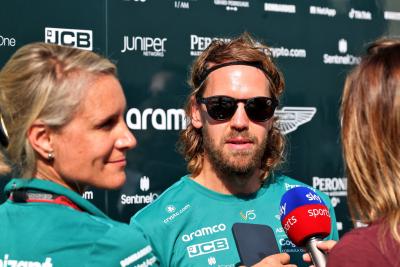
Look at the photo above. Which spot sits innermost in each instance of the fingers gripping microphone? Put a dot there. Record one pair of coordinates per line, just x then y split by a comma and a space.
306, 220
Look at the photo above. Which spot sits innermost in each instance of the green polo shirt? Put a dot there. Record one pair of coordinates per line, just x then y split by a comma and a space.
44, 234
190, 225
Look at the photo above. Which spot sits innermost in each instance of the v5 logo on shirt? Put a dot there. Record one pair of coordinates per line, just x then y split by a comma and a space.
248, 215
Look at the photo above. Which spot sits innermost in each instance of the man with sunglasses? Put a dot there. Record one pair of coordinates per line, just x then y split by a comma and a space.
232, 145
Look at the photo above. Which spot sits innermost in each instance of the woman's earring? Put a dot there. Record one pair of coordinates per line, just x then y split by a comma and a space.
50, 156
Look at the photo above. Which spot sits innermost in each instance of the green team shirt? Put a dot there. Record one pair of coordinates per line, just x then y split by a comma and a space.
39, 234
190, 225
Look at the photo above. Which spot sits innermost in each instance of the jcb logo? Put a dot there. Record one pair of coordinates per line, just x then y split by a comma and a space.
70, 37
207, 247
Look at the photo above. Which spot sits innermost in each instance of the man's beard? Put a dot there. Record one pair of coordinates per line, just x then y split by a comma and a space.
239, 164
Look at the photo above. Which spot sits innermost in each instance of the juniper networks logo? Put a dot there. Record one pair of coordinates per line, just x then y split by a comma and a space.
82, 39
199, 43
144, 184
149, 46
232, 5
290, 118
346, 59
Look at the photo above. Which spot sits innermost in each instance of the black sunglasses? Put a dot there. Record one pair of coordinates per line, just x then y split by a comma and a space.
222, 108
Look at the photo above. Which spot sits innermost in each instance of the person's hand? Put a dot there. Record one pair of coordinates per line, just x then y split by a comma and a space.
325, 246
276, 260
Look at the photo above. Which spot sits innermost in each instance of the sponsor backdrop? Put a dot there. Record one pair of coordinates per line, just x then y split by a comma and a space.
153, 43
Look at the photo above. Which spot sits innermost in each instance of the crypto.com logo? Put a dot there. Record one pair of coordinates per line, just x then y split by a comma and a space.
82, 39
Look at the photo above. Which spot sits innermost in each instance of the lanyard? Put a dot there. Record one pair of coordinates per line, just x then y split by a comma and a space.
22, 196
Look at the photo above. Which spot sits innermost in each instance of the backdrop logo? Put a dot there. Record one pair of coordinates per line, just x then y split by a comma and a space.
290, 118
7, 41
82, 39
333, 187
342, 46
273, 7
181, 4
199, 43
324, 11
144, 183
391, 15
347, 59
287, 52
149, 46
360, 14
170, 119
232, 5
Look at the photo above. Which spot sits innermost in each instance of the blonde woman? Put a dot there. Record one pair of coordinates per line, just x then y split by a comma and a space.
64, 129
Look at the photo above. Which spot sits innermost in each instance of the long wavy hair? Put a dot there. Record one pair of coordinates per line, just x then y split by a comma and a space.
370, 113
243, 48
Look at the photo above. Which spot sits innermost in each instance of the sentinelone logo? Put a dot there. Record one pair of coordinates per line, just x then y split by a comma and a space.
149, 46
273, 7
391, 15
7, 41
199, 43
82, 39
325, 11
140, 198
232, 5
290, 118
347, 59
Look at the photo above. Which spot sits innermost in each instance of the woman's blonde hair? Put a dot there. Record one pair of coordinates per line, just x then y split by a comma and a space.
370, 115
243, 48
46, 82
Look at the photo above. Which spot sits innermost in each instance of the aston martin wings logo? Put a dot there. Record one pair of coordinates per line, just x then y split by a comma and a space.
290, 118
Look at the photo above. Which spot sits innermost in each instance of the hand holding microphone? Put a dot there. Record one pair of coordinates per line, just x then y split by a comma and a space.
306, 221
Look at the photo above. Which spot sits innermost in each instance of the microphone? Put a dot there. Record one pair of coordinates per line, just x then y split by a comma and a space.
306, 221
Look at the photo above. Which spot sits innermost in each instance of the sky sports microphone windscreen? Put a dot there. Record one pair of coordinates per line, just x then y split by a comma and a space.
304, 215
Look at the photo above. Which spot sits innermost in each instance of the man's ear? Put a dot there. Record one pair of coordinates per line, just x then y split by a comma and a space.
39, 137
195, 113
